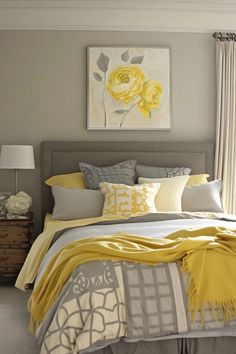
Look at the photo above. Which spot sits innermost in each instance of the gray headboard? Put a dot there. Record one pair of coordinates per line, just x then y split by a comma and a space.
63, 157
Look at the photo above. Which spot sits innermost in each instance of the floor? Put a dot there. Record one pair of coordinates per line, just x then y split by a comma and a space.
14, 335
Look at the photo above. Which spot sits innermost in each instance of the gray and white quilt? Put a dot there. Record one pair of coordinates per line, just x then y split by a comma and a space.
104, 302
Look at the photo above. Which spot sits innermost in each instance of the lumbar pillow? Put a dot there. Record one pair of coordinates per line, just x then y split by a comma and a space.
161, 172
197, 179
170, 193
203, 197
123, 200
123, 172
69, 180
72, 204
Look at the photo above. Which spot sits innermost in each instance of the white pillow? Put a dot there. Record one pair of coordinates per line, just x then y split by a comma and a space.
203, 197
72, 204
169, 197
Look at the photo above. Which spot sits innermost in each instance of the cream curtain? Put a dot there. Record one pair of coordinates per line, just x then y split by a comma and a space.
225, 153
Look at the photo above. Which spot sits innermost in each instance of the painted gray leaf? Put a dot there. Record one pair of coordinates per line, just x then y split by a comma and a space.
137, 60
97, 76
102, 62
125, 56
121, 111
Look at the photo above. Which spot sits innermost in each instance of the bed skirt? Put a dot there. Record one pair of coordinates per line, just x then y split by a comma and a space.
216, 345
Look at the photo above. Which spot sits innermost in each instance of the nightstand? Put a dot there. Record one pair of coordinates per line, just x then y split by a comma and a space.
15, 237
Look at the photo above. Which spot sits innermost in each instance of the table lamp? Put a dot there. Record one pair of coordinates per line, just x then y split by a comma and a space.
17, 157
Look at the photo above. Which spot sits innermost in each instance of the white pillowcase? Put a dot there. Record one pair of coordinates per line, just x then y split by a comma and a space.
203, 197
169, 197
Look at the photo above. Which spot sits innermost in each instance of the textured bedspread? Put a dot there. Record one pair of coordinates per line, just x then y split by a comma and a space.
108, 301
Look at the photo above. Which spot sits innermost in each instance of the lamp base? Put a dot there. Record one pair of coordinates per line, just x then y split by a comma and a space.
16, 181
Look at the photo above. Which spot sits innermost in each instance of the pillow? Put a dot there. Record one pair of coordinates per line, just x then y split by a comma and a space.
123, 200
123, 172
69, 180
70, 204
197, 179
169, 196
161, 172
203, 197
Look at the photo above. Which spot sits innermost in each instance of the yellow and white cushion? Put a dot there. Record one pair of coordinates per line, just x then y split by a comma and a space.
123, 200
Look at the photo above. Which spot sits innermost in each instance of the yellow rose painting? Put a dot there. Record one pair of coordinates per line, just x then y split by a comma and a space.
150, 97
128, 88
125, 82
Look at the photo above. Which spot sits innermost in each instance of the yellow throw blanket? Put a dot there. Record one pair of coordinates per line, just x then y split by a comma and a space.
42, 243
207, 254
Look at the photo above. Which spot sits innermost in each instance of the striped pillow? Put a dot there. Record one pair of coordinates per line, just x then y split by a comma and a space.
170, 193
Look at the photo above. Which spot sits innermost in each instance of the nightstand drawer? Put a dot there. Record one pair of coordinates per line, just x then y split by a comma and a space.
10, 270
17, 246
12, 257
13, 234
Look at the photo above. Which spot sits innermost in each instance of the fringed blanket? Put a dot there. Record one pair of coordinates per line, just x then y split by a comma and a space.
207, 255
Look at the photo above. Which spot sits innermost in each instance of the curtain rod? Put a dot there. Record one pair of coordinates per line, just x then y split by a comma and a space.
224, 36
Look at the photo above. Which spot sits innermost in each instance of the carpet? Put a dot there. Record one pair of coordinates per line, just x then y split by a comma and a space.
14, 335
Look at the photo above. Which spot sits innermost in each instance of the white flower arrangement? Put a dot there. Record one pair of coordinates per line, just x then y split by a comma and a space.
19, 204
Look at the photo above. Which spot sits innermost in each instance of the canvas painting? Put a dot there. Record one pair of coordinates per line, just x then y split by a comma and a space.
128, 88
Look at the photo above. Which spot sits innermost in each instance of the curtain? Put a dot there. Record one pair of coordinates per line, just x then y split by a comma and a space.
225, 151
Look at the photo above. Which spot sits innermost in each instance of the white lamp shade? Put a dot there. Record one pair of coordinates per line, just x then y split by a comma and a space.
17, 157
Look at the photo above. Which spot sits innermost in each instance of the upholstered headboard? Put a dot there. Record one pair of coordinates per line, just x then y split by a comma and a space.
63, 157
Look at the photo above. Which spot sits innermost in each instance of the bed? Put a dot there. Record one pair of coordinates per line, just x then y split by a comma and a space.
113, 306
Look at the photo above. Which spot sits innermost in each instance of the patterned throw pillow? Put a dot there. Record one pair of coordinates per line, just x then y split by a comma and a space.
161, 172
122, 172
122, 200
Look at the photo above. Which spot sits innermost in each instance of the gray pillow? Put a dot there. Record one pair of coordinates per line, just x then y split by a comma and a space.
122, 173
203, 197
71, 204
161, 172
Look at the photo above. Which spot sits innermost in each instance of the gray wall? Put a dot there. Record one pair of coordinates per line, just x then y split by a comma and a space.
43, 91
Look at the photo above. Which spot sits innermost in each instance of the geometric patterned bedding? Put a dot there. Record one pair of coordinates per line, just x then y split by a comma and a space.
117, 305
106, 301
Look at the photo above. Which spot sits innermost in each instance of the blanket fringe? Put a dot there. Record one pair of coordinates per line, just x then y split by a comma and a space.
189, 246
221, 310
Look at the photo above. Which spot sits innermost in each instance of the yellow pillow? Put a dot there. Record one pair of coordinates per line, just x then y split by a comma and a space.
169, 197
70, 180
123, 200
197, 179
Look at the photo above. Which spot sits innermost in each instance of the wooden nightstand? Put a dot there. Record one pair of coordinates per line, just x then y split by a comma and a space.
15, 237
